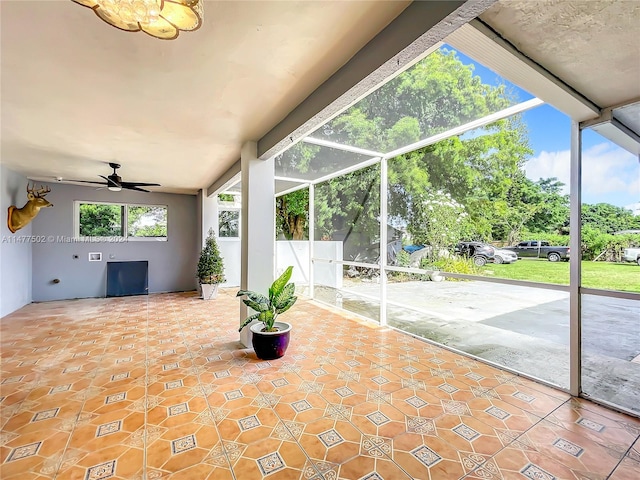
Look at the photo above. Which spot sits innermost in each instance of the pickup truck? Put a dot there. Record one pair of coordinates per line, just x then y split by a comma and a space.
540, 249
632, 255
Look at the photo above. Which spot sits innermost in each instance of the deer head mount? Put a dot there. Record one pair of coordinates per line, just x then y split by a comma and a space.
20, 217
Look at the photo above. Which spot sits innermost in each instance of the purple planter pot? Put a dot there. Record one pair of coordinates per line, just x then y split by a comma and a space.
270, 345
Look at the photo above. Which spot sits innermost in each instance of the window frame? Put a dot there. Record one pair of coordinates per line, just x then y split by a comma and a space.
125, 222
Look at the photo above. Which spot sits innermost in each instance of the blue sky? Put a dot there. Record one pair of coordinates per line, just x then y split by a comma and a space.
610, 174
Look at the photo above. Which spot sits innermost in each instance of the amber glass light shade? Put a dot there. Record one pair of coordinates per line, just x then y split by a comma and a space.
162, 19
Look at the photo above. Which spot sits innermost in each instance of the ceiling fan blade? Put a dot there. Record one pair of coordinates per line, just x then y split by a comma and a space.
110, 182
132, 187
140, 184
86, 181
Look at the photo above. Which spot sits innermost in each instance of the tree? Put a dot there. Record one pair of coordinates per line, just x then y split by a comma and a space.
609, 218
439, 221
348, 209
553, 214
146, 221
292, 215
537, 207
210, 264
481, 171
477, 170
101, 220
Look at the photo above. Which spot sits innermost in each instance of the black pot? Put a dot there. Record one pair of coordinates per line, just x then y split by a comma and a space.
270, 345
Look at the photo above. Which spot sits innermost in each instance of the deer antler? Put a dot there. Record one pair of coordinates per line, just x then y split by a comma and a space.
41, 192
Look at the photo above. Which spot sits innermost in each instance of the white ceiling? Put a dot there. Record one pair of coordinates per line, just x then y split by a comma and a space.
78, 93
591, 45
582, 57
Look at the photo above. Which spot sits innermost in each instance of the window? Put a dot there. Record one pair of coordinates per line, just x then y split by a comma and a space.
133, 222
228, 216
144, 221
228, 223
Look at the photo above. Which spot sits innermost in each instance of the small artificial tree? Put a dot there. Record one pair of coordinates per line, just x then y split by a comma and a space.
210, 265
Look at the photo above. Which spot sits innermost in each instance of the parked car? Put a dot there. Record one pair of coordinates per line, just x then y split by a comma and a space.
632, 255
481, 253
504, 256
540, 249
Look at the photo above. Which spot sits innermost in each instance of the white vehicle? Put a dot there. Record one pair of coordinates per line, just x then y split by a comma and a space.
632, 255
504, 256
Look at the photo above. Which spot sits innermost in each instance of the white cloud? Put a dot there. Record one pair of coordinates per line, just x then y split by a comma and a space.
634, 207
550, 164
607, 170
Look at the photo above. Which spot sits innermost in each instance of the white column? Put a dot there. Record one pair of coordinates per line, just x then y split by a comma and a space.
575, 266
209, 209
312, 235
258, 227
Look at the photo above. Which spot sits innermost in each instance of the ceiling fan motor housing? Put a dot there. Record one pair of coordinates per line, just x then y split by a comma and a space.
115, 179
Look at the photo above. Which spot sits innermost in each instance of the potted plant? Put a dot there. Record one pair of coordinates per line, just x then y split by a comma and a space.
270, 339
210, 268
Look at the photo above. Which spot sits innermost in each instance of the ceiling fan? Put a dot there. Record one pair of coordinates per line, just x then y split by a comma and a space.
115, 184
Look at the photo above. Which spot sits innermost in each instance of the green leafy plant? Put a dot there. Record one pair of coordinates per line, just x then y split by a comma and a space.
281, 298
455, 265
210, 265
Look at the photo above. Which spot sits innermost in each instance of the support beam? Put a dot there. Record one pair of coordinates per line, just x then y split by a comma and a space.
258, 227
344, 148
480, 42
575, 271
225, 180
459, 130
420, 27
615, 130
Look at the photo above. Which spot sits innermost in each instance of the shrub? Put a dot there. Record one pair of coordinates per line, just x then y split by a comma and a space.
403, 258
451, 265
552, 238
210, 265
605, 246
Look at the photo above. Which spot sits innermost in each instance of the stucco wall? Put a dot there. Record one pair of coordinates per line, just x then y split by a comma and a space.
172, 263
15, 249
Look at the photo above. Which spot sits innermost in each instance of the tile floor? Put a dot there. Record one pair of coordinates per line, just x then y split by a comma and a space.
158, 387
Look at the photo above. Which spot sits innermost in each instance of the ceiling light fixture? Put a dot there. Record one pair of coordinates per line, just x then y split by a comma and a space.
159, 18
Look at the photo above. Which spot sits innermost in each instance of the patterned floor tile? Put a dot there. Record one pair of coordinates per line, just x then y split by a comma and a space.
516, 462
91, 388
270, 463
109, 428
102, 471
24, 451
571, 449
617, 433
628, 469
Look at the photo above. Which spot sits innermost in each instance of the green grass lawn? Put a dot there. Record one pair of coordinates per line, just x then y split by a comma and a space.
602, 275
